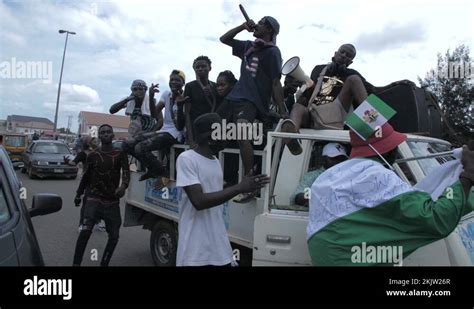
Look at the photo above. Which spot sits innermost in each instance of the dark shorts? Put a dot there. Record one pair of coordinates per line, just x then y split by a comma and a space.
97, 209
232, 111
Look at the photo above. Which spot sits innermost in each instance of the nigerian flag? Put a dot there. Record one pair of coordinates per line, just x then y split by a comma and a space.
359, 210
370, 114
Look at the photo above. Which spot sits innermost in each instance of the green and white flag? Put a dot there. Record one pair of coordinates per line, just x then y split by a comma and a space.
359, 204
371, 114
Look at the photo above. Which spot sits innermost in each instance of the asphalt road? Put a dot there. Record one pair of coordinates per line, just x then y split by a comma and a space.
57, 233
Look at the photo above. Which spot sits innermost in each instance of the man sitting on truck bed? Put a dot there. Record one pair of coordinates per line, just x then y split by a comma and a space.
203, 239
334, 84
362, 203
169, 133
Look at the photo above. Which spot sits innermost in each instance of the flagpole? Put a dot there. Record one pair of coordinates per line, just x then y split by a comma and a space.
434, 155
390, 166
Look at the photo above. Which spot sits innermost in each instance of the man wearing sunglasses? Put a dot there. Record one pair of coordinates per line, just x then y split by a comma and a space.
259, 81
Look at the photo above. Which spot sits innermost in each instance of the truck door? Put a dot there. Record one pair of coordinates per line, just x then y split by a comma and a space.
280, 231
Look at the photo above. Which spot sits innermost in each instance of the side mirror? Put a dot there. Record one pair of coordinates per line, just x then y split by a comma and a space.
45, 203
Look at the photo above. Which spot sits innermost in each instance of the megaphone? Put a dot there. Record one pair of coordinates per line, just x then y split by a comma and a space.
292, 68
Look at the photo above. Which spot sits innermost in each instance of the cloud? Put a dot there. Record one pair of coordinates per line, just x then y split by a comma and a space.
391, 37
42, 99
319, 26
120, 41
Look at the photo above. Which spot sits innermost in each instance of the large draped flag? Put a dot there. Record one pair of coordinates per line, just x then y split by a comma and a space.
360, 204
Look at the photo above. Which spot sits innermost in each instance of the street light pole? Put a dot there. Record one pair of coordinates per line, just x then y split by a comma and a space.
60, 78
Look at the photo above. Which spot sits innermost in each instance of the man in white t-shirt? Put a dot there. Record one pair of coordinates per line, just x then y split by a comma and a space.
203, 239
168, 135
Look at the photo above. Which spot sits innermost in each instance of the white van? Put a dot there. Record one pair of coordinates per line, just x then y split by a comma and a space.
271, 231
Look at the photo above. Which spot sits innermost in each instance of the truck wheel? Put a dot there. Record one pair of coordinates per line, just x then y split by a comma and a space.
164, 243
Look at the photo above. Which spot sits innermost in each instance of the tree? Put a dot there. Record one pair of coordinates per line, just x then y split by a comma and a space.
451, 83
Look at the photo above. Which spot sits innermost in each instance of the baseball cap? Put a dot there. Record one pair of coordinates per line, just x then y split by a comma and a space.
333, 150
273, 24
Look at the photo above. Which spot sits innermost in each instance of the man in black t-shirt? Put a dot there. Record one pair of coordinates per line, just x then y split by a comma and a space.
102, 176
200, 97
343, 88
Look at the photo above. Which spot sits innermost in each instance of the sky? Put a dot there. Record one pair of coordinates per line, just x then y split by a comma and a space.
119, 41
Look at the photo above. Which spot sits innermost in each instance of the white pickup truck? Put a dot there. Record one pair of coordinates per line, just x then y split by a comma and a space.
271, 231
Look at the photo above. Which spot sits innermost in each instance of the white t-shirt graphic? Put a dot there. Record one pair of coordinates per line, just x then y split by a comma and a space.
202, 234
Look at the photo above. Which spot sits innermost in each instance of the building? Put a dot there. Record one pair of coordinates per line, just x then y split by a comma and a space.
89, 121
28, 124
3, 125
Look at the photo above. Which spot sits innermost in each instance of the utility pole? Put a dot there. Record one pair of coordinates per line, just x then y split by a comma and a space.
60, 78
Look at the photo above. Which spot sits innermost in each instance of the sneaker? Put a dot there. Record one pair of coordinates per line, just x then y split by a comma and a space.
243, 198
293, 144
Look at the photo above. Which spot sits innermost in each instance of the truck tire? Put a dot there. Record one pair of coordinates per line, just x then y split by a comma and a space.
164, 243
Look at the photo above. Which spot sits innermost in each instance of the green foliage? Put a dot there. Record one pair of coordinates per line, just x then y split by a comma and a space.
452, 84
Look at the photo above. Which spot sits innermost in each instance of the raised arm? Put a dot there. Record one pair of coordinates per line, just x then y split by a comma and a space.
151, 93
120, 105
228, 37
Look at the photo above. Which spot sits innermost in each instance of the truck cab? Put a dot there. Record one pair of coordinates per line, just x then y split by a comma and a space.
271, 229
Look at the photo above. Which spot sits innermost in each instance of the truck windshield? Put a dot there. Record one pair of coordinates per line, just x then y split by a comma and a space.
421, 149
15, 141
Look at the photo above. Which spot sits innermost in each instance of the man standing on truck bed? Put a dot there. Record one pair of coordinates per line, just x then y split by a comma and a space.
200, 97
362, 203
260, 73
203, 239
103, 174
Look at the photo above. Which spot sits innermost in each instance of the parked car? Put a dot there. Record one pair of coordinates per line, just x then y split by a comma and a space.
45, 158
18, 242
